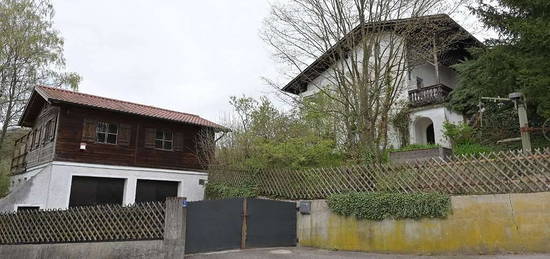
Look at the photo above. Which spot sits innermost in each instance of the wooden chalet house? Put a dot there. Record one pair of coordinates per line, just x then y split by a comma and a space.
86, 149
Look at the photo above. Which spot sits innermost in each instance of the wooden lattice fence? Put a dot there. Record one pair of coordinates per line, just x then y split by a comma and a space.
492, 173
144, 221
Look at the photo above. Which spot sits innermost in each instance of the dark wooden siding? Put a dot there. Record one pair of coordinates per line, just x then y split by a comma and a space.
133, 153
42, 150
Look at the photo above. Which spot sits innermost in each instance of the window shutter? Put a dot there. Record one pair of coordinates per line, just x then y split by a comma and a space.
150, 137
178, 141
124, 134
44, 133
89, 130
29, 141
53, 128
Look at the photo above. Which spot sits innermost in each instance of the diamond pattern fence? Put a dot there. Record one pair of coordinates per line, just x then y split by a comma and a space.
144, 221
491, 173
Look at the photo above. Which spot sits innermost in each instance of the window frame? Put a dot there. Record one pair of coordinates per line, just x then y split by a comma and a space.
163, 140
106, 132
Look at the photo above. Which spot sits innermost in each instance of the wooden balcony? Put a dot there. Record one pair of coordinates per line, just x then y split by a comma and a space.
434, 94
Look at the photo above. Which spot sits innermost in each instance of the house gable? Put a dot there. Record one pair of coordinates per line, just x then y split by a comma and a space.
300, 83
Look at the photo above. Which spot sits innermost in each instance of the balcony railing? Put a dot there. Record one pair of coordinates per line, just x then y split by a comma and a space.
429, 95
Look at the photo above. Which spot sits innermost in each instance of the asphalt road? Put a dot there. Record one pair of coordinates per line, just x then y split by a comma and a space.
311, 253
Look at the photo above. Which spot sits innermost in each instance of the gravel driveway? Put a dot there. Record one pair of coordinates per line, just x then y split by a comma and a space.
311, 253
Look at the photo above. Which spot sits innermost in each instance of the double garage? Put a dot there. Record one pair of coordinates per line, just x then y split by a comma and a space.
87, 190
60, 185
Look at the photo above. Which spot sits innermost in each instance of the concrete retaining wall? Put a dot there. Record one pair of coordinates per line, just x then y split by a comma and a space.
478, 224
131, 249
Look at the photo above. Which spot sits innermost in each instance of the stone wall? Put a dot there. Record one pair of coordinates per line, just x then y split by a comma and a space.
420, 154
517, 223
131, 249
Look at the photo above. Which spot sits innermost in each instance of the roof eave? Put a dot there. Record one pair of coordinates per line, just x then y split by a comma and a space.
290, 87
58, 101
36, 90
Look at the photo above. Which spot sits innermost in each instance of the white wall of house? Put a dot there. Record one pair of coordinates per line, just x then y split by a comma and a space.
431, 114
420, 119
327, 78
49, 186
447, 76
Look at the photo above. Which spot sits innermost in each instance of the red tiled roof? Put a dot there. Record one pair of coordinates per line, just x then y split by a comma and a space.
67, 96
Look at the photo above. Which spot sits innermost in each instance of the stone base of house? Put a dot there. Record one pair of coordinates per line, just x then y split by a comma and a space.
420, 154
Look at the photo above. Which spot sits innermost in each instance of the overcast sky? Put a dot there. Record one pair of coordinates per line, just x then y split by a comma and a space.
184, 55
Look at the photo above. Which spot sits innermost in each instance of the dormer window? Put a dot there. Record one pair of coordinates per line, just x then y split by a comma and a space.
106, 133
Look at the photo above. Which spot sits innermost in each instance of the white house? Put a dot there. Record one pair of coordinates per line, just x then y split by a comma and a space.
426, 83
86, 149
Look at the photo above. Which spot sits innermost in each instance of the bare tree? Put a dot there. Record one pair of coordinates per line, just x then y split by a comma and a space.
358, 54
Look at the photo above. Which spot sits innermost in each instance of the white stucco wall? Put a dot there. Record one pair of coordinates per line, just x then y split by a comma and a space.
49, 186
420, 118
447, 76
327, 78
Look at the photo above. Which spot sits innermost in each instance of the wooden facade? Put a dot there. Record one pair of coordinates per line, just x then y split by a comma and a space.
60, 130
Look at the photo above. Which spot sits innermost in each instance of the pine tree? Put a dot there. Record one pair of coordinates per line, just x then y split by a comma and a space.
518, 60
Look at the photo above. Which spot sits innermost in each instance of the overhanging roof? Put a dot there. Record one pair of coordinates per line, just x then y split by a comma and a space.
321, 64
56, 95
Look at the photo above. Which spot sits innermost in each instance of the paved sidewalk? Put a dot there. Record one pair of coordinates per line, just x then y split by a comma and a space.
312, 253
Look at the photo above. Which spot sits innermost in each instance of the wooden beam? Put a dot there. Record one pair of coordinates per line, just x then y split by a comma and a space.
436, 61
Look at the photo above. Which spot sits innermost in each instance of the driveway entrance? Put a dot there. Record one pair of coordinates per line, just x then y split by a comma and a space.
215, 225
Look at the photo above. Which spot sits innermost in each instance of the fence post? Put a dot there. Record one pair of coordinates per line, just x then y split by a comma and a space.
244, 226
174, 227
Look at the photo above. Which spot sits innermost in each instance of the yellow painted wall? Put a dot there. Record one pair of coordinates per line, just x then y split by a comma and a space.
478, 224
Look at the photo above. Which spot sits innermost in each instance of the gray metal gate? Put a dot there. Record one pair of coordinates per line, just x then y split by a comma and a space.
215, 225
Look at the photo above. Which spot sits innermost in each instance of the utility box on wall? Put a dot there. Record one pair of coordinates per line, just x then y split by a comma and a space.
305, 207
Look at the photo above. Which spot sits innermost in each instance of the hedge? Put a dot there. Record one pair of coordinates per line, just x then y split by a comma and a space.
379, 206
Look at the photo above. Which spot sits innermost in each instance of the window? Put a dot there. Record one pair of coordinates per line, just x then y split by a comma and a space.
419, 82
163, 140
106, 133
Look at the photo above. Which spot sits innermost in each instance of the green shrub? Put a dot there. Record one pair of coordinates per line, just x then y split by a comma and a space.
379, 206
214, 191
459, 134
471, 149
